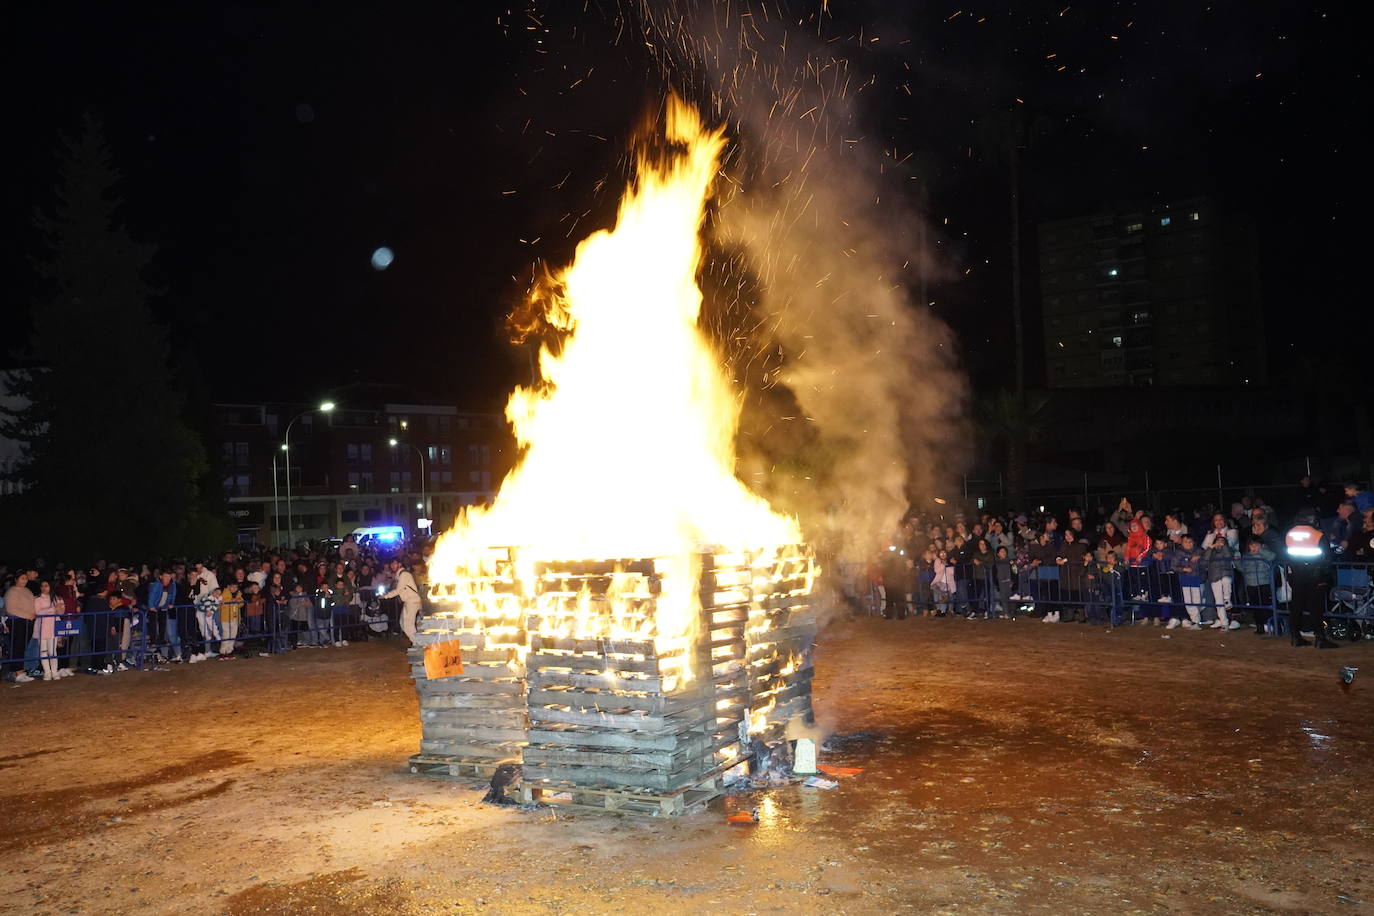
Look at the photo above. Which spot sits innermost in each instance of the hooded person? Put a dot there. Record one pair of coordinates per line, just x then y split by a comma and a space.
409, 593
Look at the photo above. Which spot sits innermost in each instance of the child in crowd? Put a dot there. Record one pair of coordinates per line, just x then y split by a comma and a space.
230, 610
1188, 570
942, 586
1257, 572
1002, 576
207, 618
1090, 577
253, 606
46, 610
298, 611
1221, 559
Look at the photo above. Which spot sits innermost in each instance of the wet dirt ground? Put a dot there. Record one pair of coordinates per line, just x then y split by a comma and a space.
1007, 767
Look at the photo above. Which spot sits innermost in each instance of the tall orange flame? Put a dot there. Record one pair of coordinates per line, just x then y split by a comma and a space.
629, 442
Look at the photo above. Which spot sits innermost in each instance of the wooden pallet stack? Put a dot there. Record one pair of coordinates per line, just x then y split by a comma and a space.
615, 722
778, 641
472, 723
606, 711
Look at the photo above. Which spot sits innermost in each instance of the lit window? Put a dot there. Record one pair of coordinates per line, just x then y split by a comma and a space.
1164, 220
1116, 341
1113, 272
1135, 227
1195, 216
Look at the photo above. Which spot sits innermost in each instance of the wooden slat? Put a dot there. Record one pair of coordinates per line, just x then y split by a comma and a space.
548, 678
648, 648
453, 686
473, 734
495, 750
538, 660
464, 701
494, 718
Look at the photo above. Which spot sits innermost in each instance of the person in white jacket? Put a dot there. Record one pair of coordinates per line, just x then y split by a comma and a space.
405, 589
1221, 531
943, 585
205, 596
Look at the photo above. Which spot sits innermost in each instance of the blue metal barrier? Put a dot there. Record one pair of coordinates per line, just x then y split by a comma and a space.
103, 641
1245, 590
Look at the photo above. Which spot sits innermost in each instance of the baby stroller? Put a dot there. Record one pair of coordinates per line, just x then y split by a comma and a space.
370, 612
1351, 615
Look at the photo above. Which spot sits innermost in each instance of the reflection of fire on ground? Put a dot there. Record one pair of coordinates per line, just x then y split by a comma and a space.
626, 602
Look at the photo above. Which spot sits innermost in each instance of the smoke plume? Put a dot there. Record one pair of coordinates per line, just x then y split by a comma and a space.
855, 403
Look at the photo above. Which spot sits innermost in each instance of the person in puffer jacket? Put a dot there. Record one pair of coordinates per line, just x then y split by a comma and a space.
1220, 558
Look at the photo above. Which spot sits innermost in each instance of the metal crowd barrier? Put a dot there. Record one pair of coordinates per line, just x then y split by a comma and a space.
1244, 586
140, 638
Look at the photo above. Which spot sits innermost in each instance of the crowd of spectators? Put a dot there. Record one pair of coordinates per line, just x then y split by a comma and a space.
1187, 570
1202, 568
59, 620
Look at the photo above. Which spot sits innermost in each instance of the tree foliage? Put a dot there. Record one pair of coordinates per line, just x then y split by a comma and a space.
1015, 422
111, 469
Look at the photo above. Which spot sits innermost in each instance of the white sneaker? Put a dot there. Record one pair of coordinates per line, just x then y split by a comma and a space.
1165, 599
1173, 623
65, 672
1308, 634
194, 659
343, 642
1218, 625
121, 667
22, 678
1014, 598
1235, 625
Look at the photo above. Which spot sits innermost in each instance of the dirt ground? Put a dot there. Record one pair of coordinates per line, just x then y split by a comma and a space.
1008, 767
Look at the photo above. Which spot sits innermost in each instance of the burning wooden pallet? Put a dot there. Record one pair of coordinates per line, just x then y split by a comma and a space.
480, 714
779, 640
620, 712
687, 800
623, 713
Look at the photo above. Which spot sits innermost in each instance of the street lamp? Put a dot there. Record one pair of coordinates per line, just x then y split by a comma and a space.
424, 501
276, 513
325, 407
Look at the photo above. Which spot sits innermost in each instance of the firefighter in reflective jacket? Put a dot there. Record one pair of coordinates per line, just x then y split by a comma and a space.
1309, 575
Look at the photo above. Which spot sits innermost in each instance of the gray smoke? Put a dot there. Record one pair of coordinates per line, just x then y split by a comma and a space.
854, 401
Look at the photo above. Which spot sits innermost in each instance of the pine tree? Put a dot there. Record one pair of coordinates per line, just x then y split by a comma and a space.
111, 470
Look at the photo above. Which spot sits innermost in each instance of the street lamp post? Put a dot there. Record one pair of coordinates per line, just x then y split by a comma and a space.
424, 500
326, 407
276, 513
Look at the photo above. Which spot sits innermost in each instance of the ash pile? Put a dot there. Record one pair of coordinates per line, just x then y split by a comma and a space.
571, 674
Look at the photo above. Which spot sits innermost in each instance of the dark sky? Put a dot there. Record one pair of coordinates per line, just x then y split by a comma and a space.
269, 152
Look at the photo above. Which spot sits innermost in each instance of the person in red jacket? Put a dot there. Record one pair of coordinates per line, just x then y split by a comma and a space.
1137, 549
1137, 544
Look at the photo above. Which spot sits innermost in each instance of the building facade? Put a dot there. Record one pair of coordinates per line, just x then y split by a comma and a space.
342, 470
1166, 295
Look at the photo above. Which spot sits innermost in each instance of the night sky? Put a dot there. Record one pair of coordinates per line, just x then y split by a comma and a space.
269, 152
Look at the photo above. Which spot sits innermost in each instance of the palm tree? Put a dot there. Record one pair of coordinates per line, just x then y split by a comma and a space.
1014, 420
1003, 135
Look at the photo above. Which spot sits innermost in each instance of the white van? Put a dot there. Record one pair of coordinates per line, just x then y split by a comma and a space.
380, 536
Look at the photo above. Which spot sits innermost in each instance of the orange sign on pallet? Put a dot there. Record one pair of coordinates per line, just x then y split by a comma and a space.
443, 659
